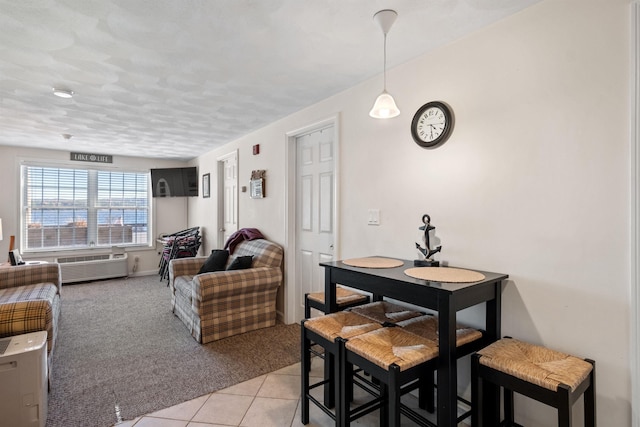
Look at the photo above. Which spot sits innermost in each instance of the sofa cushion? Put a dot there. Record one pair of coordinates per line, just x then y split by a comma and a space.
216, 261
241, 263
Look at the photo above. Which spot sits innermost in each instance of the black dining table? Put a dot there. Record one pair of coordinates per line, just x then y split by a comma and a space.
445, 299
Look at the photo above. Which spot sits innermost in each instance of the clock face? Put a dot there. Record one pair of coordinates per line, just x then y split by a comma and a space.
431, 124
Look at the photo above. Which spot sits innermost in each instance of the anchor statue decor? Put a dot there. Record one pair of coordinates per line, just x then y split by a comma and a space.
427, 251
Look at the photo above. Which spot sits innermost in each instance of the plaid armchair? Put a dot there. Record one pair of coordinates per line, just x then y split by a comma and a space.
224, 303
30, 301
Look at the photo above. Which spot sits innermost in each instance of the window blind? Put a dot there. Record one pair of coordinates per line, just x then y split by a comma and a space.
69, 208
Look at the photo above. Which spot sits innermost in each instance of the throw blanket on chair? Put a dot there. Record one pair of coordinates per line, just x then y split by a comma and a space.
240, 235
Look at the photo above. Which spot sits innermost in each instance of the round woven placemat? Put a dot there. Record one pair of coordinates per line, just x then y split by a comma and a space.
444, 274
373, 262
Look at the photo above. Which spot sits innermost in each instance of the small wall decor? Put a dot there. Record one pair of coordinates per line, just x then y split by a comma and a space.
206, 185
91, 157
257, 184
427, 252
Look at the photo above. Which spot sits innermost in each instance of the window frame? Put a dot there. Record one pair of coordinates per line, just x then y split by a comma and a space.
95, 207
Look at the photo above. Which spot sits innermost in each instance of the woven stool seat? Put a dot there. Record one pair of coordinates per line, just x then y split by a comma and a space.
548, 376
342, 324
385, 312
388, 346
535, 364
343, 296
427, 327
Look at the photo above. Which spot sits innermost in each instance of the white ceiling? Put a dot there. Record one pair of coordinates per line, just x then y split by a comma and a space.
177, 78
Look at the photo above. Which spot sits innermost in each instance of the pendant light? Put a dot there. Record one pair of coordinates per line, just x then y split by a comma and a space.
385, 106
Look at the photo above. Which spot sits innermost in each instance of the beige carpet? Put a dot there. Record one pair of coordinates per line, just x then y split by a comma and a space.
120, 343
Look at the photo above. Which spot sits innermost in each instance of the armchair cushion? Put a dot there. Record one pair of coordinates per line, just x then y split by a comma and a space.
216, 261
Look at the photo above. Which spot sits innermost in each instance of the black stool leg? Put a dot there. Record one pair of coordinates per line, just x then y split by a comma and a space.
476, 392
330, 386
384, 407
394, 395
426, 394
508, 407
345, 382
590, 398
564, 406
305, 368
307, 307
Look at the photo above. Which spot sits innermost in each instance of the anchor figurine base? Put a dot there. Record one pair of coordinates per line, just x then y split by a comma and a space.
426, 263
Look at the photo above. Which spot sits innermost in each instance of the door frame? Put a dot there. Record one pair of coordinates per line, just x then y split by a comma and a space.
290, 203
220, 186
635, 213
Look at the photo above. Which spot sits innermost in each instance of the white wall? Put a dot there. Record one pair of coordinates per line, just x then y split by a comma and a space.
534, 181
169, 214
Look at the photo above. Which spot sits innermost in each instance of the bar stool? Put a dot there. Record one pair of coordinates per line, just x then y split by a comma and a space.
467, 341
396, 358
325, 331
345, 298
385, 312
548, 376
392, 314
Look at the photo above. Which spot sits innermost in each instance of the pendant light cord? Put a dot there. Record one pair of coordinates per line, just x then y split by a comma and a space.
384, 66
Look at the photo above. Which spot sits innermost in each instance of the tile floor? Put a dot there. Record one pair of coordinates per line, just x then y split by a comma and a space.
268, 400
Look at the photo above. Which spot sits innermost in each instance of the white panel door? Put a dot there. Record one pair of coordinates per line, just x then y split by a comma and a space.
315, 198
228, 210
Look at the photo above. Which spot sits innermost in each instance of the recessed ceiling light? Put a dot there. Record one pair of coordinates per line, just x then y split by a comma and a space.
63, 93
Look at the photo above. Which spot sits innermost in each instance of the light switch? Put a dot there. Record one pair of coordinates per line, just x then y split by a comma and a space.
374, 217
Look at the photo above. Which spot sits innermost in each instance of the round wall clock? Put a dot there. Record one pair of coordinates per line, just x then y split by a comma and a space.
432, 124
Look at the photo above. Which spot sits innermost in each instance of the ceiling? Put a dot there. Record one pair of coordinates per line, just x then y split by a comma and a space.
174, 79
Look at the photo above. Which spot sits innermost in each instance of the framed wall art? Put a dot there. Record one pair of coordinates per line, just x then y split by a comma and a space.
256, 185
206, 185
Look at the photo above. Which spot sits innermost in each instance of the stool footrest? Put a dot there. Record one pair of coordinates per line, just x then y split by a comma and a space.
322, 407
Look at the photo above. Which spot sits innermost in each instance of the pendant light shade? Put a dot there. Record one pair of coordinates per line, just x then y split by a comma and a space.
385, 106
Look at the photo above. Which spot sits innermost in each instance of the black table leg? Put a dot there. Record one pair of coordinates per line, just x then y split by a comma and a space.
447, 366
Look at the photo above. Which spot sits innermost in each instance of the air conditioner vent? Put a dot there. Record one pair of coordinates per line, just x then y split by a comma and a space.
92, 267
83, 258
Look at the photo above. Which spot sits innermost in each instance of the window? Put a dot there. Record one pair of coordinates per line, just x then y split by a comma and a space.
68, 208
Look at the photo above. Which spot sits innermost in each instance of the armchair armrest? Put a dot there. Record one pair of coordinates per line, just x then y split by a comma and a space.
224, 284
184, 267
30, 274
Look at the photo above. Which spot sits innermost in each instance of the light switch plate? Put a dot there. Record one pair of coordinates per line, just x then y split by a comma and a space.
374, 217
